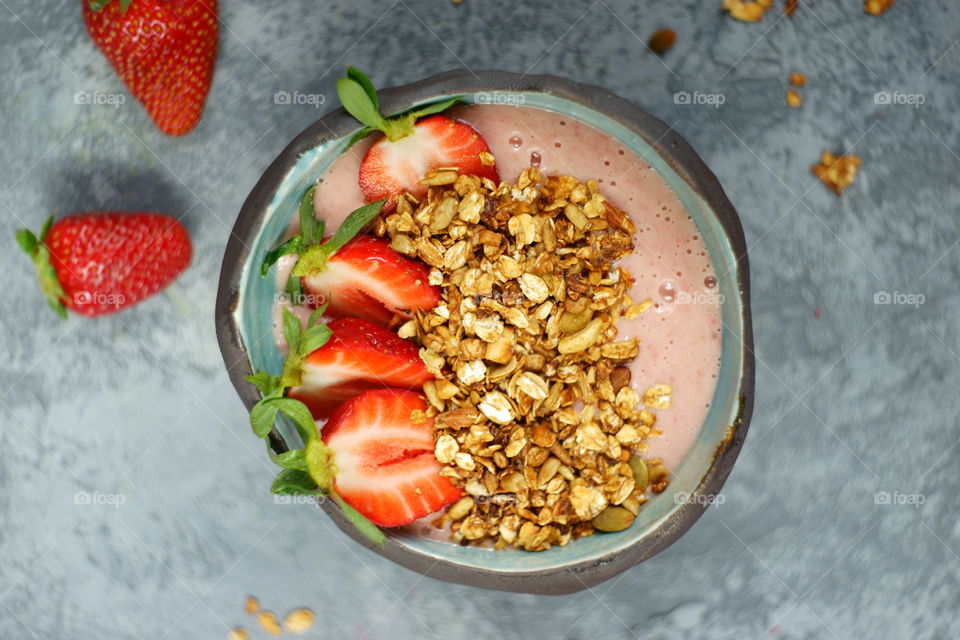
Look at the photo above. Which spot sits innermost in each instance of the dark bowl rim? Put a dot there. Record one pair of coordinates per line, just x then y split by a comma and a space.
682, 159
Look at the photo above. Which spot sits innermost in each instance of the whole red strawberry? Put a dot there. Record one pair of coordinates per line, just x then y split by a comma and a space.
164, 52
97, 263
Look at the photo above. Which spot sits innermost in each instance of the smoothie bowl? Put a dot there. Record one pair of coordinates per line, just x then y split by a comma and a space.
502, 334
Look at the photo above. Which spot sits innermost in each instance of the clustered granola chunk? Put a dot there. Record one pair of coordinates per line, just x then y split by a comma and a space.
534, 416
837, 172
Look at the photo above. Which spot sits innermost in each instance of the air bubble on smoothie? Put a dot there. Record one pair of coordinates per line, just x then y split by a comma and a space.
667, 292
709, 282
516, 142
535, 159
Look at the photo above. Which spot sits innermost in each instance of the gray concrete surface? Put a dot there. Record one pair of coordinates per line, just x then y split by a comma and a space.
857, 402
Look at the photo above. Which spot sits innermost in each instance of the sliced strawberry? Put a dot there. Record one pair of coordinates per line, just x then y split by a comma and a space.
367, 279
385, 465
359, 356
391, 167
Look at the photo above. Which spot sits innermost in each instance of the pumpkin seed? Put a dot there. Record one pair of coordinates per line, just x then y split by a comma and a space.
613, 519
572, 322
641, 476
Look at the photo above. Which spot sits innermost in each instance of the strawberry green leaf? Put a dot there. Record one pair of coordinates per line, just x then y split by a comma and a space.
124, 5
361, 78
436, 107
311, 232
27, 241
293, 459
301, 416
370, 531
358, 136
262, 417
291, 330
293, 482
359, 98
317, 313
267, 384
314, 338
353, 225
355, 100
293, 245
45, 229
311, 229
315, 258
38, 251
293, 289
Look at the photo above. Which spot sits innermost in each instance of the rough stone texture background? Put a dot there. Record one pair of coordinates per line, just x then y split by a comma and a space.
853, 398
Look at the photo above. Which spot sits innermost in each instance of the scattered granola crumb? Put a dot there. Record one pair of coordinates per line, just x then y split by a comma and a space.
268, 620
793, 98
791, 7
299, 621
251, 605
798, 79
877, 7
746, 10
238, 634
837, 172
662, 41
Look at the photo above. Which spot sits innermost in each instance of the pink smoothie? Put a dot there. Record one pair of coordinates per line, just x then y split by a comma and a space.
680, 335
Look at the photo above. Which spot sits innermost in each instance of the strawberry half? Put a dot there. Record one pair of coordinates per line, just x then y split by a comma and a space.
385, 465
393, 166
355, 275
164, 52
359, 356
411, 146
98, 263
367, 279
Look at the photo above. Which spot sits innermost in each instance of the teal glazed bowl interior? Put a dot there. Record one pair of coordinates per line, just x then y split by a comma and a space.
244, 327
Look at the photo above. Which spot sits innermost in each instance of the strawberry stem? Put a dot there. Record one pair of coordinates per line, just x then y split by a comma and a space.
98, 5
39, 252
360, 100
314, 259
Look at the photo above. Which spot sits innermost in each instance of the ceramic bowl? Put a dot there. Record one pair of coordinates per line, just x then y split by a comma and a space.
243, 319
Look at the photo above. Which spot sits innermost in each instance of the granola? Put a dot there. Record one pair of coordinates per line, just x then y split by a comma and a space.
877, 7
837, 172
747, 10
534, 416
